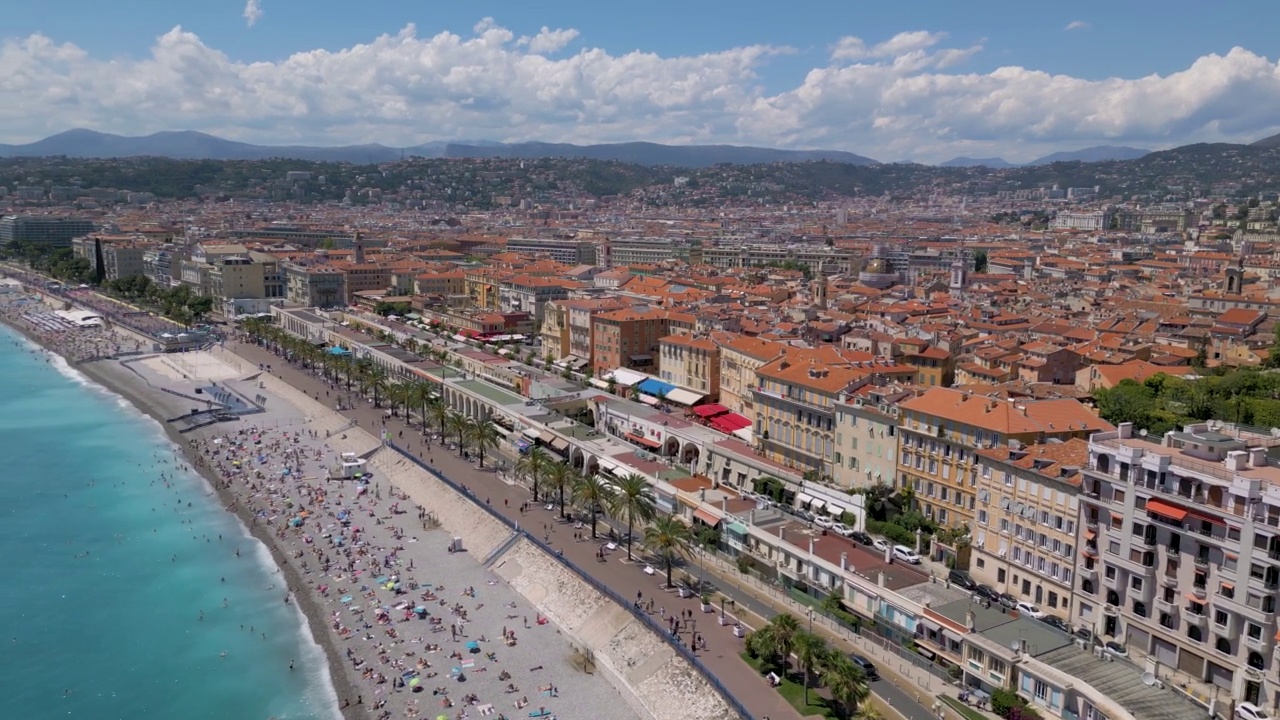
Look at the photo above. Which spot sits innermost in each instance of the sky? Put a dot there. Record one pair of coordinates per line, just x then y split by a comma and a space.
920, 80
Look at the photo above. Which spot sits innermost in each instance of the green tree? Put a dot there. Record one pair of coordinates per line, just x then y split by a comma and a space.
1128, 401
848, 687
633, 501
483, 438
591, 493
776, 639
534, 464
809, 650
980, 261
458, 425
668, 538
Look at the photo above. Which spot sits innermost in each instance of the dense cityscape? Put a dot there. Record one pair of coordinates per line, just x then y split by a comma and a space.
1016, 424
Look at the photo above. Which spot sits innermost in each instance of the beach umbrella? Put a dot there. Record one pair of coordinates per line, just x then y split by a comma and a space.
346, 599
420, 610
415, 682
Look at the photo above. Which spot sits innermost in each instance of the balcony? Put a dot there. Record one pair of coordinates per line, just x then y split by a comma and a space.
1263, 643
1259, 609
1165, 606
1087, 573
1201, 593
1201, 561
1112, 583
1110, 609
1196, 619
1170, 581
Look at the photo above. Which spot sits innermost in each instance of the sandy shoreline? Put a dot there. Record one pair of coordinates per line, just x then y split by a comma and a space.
110, 375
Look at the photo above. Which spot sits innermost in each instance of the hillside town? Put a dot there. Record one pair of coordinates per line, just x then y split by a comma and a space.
1053, 399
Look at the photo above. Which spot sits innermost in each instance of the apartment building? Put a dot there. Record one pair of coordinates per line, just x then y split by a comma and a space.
740, 357
941, 431
482, 285
42, 229
690, 361
1024, 540
621, 252
441, 284
237, 278
567, 251
627, 338
867, 437
530, 294
581, 315
162, 264
1182, 552
322, 286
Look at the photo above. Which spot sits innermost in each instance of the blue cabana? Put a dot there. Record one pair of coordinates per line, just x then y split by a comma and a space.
654, 387
335, 350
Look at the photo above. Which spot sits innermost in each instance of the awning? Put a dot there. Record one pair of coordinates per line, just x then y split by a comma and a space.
1227, 586
649, 400
1164, 509
559, 445
532, 434
952, 636
817, 504
730, 423
835, 510
680, 396
1090, 534
926, 652
1205, 516
655, 387
803, 499
706, 517
597, 382
1194, 599
647, 442
608, 465
641, 359
710, 410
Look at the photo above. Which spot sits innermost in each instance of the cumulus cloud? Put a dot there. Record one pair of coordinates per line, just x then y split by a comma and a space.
252, 12
907, 96
1077, 25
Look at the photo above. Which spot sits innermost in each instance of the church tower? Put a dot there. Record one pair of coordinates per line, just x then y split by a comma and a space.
959, 275
359, 250
818, 288
1235, 278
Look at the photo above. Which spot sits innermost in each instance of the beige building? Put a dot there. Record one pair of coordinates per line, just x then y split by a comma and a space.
1024, 539
740, 357
867, 437
692, 362
237, 278
322, 286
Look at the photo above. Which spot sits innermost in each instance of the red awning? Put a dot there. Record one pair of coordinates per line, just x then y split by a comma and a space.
706, 411
1208, 517
706, 517
647, 442
730, 422
1173, 512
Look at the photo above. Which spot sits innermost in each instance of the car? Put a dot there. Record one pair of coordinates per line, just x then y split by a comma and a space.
841, 529
1084, 634
1249, 711
1007, 600
987, 592
880, 544
804, 515
824, 522
962, 579
1029, 609
1115, 649
1057, 622
906, 554
861, 537
867, 667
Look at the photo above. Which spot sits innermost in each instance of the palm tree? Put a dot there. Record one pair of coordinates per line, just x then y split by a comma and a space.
375, 383
419, 397
668, 538
848, 686
779, 638
810, 650
397, 395
634, 501
559, 478
439, 412
535, 464
591, 493
458, 424
483, 437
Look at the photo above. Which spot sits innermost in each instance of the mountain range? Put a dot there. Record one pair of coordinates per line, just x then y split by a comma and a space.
192, 145
1097, 153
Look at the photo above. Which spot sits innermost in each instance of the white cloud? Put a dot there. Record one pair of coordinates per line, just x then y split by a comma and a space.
904, 97
1077, 25
252, 12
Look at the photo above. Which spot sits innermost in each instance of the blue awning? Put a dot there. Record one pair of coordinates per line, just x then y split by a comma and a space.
656, 388
335, 350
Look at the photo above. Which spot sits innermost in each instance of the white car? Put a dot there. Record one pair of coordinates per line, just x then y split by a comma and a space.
841, 529
1249, 711
823, 521
1029, 609
906, 554
880, 544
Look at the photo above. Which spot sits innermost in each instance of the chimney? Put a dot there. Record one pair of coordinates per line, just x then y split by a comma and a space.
1126, 430
810, 546
880, 579
844, 561
724, 505
1236, 460
970, 621
782, 533
702, 495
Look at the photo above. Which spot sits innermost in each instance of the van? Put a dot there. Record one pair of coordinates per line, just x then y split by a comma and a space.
866, 666
906, 554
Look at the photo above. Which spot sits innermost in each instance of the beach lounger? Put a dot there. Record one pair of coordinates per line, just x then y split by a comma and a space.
540, 713
648, 570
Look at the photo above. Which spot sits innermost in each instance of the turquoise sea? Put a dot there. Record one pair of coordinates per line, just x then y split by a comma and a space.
113, 590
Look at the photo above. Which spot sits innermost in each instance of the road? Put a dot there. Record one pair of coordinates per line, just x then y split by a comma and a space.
627, 579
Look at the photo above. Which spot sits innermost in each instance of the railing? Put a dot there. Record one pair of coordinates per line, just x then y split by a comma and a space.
643, 617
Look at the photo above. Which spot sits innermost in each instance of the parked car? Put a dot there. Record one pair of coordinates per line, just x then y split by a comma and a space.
1057, 622
862, 537
1249, 711
1007, 600
824, 522
906, 554
867, 667
804, 515
1115, 649
841, 529
1085, 634
880, 544
1029, 609
962, 579
987, 592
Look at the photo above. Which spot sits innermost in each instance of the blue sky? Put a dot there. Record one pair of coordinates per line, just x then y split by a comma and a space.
747, 71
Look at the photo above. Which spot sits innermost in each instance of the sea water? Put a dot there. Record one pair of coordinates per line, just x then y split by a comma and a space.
121, 597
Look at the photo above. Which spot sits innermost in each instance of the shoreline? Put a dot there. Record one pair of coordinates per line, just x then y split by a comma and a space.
340, 676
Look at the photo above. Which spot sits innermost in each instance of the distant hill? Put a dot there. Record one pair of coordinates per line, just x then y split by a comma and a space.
962, 161
191, 145
645, 153
1098, 153
1266, 142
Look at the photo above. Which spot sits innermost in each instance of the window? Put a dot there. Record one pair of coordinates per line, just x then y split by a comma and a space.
982, 517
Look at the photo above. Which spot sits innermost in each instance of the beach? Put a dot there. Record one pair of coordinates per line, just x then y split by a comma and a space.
440, 635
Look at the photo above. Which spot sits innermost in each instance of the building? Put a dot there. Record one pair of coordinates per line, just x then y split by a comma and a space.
941, 431
43, 230
237, 278
867, 437
1182, 558
690, 361
162, 265
1024, 540
564, 250
818, 258
740, 357
628, 338
621, 252
1092, 221
320, 286
530, 294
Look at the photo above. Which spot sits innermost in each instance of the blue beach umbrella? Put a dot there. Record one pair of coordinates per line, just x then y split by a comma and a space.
346, 599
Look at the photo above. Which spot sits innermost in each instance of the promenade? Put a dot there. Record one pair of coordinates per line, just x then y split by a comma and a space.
907, 691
